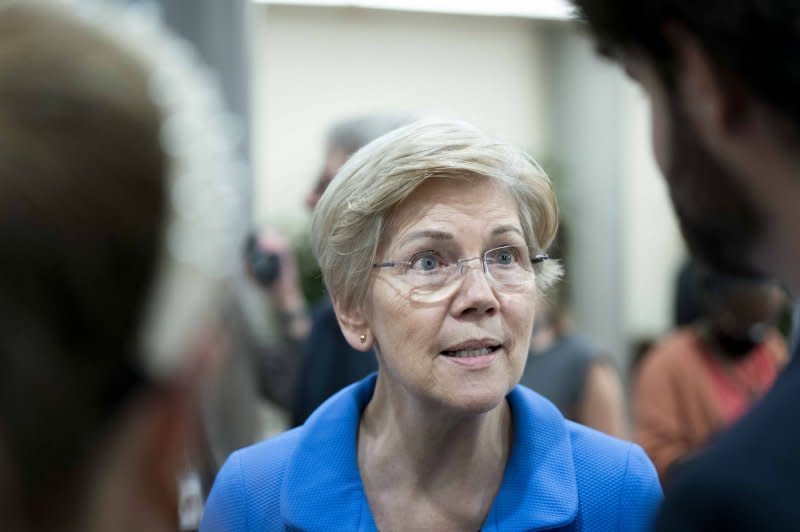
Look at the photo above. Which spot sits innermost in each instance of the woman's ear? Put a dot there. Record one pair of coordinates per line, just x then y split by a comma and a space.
354, 326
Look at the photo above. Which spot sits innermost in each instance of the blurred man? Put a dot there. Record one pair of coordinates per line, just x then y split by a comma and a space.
109, 271
329, 363
723, 80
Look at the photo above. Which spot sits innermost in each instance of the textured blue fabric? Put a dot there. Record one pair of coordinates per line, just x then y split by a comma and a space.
560, 476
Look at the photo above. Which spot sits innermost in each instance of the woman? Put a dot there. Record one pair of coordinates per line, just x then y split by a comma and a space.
432, 242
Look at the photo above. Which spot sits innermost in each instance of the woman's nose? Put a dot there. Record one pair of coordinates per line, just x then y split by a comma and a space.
475, 293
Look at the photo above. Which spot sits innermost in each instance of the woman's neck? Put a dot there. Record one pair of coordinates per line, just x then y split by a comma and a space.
413, 452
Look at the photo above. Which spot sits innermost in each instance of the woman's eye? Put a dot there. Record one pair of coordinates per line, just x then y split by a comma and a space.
505, 256
426, 263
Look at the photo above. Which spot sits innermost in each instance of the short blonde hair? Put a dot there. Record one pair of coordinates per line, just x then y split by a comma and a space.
353, 214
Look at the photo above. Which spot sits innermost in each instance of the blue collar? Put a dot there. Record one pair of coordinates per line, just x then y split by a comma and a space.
322, 485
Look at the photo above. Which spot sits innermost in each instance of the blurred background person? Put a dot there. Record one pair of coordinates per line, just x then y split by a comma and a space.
433, 242
707, 374
272, 266
581, 380
117, 234
331, 363
312, 360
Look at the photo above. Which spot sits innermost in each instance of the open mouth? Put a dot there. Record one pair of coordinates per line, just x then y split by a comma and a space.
472, 353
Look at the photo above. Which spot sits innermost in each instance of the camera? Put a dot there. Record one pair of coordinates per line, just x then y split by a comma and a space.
264, 266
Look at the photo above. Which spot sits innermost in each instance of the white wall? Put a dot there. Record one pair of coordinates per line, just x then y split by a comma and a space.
585, 123
625, 243
318, 65
652, 246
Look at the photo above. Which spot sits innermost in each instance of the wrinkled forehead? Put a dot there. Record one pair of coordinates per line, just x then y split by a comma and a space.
464, 211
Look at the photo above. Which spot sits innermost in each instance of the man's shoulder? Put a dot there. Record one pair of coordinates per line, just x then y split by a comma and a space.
723, 491
768, 434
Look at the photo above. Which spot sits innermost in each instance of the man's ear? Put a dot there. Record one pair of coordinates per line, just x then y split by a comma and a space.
713, 97
354, 325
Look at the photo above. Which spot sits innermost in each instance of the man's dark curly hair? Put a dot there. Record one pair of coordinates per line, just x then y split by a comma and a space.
758, 41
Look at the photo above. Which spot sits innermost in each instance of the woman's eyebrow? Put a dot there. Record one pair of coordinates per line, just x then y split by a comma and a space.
434, 235
508, 228
442, 235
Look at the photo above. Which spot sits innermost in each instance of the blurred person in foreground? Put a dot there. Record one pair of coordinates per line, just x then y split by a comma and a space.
581, 380
314, 361
432, 241
706, 375
722, 79
102, 359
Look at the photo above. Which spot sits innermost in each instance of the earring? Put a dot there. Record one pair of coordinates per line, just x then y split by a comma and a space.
363, 338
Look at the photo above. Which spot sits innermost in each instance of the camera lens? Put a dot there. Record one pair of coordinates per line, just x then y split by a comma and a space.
265, 266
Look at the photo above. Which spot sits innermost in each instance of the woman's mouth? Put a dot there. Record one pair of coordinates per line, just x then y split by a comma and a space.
471, 352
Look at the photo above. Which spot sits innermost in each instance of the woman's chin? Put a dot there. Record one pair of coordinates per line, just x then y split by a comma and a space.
474, 400
476, 391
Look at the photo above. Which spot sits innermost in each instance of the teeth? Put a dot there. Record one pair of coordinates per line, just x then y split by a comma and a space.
469, 353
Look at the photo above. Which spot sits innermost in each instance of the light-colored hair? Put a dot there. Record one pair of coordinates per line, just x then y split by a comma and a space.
352, 216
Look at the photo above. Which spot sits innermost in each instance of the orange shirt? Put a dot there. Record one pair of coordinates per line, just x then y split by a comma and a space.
678, 404
738, 385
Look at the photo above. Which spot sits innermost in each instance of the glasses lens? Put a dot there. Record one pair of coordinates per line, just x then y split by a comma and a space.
430, 281
510, 266
433, 295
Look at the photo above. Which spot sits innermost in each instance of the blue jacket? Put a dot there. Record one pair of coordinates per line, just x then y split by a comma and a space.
559, 474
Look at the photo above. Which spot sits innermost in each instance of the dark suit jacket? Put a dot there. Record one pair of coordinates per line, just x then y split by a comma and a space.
749, 478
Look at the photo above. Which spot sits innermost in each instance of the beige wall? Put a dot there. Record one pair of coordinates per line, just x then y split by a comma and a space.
652, 245
318, 65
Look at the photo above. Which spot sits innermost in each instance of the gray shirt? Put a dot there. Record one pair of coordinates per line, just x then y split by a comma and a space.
559, 373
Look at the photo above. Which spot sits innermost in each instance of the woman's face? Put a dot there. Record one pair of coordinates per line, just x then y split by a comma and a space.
466, 350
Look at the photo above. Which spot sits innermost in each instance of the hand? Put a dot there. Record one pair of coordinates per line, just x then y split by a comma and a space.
285, 290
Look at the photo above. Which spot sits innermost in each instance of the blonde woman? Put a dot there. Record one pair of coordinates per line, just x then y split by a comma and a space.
433, 244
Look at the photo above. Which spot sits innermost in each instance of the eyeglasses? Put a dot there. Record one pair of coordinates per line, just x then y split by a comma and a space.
430, 277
